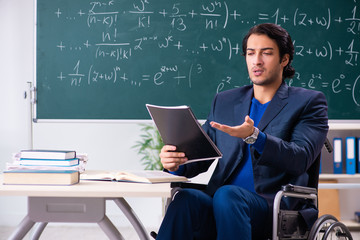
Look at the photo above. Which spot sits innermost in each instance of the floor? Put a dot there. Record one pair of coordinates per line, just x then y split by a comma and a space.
93, 232
88, 233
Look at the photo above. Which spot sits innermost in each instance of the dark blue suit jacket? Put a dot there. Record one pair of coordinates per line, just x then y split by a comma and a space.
295, 123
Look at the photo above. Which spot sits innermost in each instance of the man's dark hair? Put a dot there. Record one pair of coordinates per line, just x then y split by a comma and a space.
282, 38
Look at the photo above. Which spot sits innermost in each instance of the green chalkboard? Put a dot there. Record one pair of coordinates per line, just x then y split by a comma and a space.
107, 59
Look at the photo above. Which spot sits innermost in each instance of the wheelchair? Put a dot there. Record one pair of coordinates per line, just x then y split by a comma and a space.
288, 224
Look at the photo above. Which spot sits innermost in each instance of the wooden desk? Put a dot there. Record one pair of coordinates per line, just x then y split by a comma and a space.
83, 202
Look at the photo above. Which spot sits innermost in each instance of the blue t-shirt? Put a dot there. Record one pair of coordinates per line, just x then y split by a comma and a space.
245, 177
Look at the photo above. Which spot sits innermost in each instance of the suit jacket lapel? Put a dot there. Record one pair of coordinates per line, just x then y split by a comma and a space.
276, 105
242, 108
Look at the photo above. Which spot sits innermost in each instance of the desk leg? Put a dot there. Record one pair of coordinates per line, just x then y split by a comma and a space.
23, 228
109, 229
39, 228
132, 217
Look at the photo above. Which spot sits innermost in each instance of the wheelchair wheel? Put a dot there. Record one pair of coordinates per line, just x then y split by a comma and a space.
320, 225
337, 230
328, 227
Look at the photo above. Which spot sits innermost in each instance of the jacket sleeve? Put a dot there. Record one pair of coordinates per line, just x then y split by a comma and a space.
293, 146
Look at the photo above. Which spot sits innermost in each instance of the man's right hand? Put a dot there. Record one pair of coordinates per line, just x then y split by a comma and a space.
170, 159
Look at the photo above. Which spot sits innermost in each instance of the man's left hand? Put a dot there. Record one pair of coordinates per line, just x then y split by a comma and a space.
241, 131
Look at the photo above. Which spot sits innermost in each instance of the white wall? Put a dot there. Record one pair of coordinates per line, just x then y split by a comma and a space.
16, 68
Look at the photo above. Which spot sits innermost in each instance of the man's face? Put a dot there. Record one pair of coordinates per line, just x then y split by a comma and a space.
263, 60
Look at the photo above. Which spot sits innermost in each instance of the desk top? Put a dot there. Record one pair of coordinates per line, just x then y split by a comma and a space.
85, 188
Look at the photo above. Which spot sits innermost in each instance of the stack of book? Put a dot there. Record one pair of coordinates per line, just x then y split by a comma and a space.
45, 167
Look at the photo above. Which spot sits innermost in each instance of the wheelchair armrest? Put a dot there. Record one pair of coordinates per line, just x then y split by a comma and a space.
197, 186
298, 189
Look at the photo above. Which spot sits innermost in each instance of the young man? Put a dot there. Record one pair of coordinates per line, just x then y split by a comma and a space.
270, 135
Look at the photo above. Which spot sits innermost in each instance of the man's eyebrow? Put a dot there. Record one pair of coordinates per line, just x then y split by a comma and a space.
266, 48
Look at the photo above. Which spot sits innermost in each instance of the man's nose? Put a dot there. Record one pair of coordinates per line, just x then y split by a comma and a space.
258, 59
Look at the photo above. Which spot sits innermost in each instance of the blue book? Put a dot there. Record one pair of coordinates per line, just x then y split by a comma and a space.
350, 155
337, 155
49, 162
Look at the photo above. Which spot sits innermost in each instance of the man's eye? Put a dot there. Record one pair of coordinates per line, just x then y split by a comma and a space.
250, 53
267, 53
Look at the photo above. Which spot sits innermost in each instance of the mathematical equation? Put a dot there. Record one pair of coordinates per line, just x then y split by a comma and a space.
175, 19
178, 75
213, 15
347, 53
118, 75
338, 85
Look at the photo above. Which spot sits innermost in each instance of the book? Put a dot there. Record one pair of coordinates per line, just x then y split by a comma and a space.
47, 154
49, 162
337, 156
179, 127
143, 176
350, 143
40, 177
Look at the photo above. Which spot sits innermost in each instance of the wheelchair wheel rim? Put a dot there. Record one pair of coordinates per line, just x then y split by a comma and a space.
322, 229
340, 231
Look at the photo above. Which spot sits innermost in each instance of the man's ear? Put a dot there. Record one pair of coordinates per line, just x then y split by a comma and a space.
285, 60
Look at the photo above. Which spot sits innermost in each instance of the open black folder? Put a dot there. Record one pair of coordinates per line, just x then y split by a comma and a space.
179, 127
